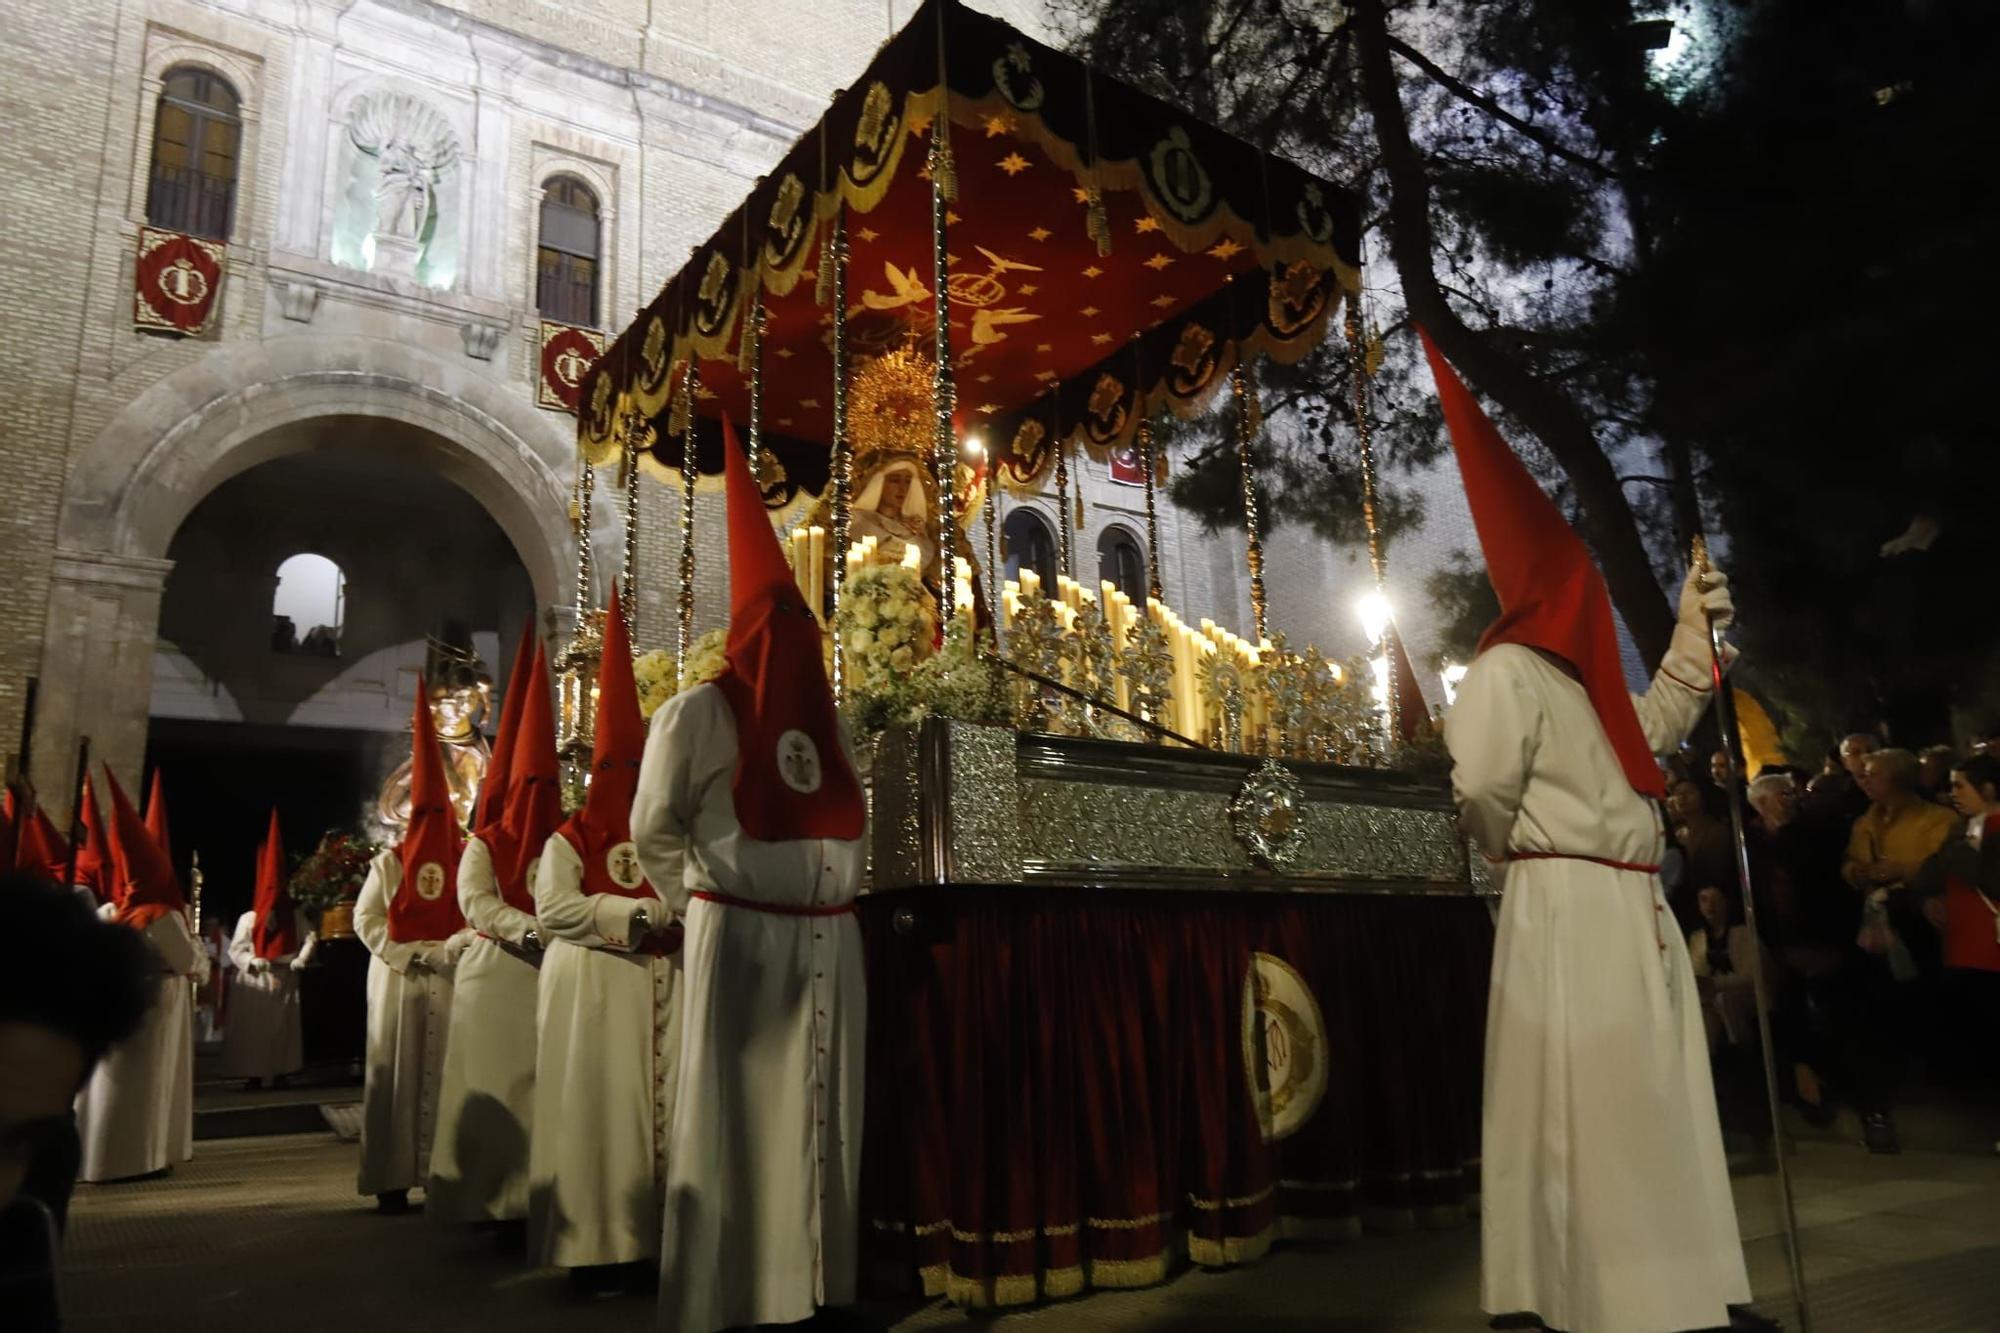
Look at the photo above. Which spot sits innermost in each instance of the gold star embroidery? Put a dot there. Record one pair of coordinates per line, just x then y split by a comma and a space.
1092, 271
951, 218
1163, 301
999, 125
1100, 338
949, 259
1045, 347
1026, 289
704, 393
1146, 223
1226, 248
1013, 164
784, 421
1088, 312
920, 124
985, 379
987, 409
1159, 261
1082, 195
808, 402
1045, 375
1040, 234
785, 352
867, 235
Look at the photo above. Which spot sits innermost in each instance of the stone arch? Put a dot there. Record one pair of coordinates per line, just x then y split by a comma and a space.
228, 412
237, 407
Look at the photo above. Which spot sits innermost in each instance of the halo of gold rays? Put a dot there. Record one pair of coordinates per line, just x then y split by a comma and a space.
890, 402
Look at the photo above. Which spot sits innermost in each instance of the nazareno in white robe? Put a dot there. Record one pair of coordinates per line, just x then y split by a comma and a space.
262, 1036
136, 1114
479, 1160
609, 1044
764, 1163
409, 1013
1606, 1204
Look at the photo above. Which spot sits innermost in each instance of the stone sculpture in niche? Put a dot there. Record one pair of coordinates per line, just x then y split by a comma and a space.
413, 146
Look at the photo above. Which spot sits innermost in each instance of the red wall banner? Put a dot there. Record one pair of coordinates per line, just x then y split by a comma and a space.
175, 282
568, 353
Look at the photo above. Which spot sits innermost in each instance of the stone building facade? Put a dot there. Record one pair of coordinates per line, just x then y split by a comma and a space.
335, 333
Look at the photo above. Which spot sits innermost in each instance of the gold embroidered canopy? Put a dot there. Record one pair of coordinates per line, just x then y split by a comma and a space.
1107, 255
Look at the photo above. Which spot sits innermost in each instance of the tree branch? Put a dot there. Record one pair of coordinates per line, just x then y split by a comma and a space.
1554, 417
1466, 93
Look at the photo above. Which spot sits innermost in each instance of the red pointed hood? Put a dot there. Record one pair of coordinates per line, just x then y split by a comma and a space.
493, 791
1412, 712
534, 791
13, 814
426, 903
39, 848
277, 930
156, 816
1551, 594
601, 832
146, 889
93, 856
792, 776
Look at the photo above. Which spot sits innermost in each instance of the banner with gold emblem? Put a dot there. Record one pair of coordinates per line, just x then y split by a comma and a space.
175, 282
568, 353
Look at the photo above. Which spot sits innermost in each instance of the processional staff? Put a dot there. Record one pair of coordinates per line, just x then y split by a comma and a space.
1732, 747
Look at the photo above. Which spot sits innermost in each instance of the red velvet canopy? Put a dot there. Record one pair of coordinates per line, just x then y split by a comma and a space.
1215, 248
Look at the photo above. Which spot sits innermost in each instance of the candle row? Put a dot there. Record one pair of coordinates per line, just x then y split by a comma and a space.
809, 566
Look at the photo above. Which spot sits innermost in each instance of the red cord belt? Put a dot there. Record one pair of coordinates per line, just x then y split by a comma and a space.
1637, 867
774, 909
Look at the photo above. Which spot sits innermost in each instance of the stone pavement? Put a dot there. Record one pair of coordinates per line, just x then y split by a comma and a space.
267, 1233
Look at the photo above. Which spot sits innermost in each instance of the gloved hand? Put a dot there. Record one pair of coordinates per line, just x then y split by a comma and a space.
299, 963
1705, 598
258, 966
201, 970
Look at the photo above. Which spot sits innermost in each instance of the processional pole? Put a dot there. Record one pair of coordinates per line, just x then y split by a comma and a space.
1732, 747
76, 829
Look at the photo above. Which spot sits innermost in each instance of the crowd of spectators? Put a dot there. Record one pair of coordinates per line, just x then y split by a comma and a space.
1877, 915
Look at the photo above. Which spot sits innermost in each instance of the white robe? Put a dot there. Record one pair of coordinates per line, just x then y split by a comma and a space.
261, 1038
479, 1162
409, 1013
609, 1044
764, 1163
1606, 1204
136, 1114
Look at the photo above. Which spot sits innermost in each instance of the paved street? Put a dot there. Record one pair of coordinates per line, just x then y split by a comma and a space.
267, 1232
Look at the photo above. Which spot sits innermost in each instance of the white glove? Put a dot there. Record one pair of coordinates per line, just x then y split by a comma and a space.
435, 958
299, 963
1705, 598
200, 972
257, 967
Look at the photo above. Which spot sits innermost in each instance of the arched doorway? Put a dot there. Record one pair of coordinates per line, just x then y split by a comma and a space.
243, 405
294, 627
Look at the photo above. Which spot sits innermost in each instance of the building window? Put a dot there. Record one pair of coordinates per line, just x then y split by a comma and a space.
197, 133
566, 261
1122, 564
1030, 544
309, 607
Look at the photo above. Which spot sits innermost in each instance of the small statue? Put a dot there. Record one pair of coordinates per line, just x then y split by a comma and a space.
461, 697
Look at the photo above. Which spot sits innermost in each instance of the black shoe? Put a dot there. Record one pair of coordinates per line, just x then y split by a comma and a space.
511, 1238
597, 1282
1878, 1131
1744, 1318
392, 1203
253, 1085
1532, 1322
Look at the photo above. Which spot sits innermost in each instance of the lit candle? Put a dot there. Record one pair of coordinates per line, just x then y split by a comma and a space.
1031, 583
913, 559
816, 562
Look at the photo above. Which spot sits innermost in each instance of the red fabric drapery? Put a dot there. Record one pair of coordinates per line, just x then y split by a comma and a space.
1057, 1096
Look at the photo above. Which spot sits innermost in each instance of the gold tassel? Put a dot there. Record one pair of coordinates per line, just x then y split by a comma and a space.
678, 417
1096, 221
823, 282
944, 170
1376, 350
1079, 508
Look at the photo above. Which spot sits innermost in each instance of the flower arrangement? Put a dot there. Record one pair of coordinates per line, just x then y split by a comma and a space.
887, 627
333, 873
706, 659
654, 673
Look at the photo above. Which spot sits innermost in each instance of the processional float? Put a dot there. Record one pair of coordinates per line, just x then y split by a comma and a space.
1169, 961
